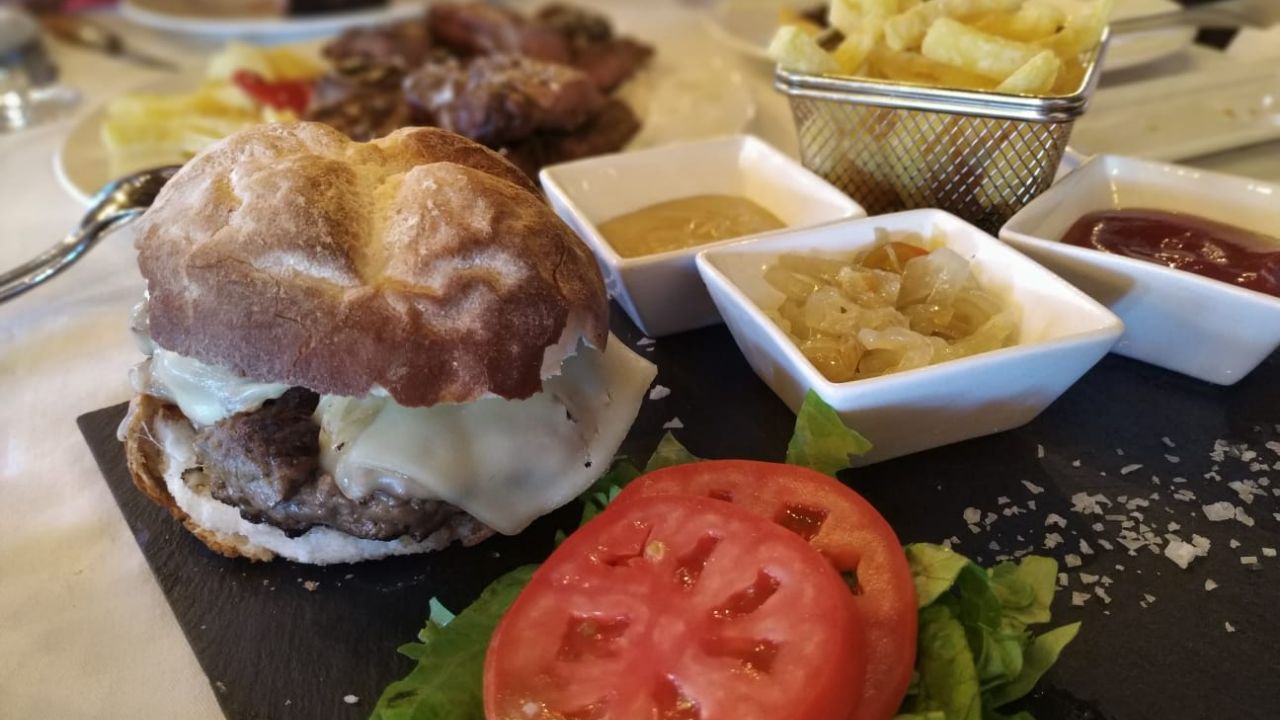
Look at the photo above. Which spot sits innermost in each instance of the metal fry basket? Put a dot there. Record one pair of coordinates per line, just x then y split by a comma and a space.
896, 146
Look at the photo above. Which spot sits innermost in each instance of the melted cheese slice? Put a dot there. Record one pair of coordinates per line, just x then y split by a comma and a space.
505, 462
204, 393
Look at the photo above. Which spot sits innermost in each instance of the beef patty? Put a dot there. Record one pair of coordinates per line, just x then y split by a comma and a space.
266, 463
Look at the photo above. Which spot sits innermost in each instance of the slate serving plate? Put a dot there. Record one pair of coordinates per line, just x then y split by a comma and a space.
284, 641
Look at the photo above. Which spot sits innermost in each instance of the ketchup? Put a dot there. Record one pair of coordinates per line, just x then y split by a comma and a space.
293, 95
1185, 242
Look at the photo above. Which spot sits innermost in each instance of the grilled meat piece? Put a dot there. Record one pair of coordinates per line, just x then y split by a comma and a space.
608, 131
578, 25
402, 47
266, 463
364, 107
611, 63
480, 29
498, 99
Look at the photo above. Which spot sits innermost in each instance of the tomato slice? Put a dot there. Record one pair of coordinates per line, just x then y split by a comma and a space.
678, 608
292, 95
842, 526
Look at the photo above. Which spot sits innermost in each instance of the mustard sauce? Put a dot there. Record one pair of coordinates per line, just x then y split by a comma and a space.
686, 223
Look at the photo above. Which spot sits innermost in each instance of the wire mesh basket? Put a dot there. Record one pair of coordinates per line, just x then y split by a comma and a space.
893, 146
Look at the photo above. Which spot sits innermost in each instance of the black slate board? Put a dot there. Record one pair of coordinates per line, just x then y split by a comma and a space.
274, 649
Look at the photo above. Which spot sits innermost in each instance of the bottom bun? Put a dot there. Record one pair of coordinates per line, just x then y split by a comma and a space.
161, 457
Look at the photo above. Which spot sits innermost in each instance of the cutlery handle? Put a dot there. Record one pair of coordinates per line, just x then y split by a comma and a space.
61, 256
1218, 15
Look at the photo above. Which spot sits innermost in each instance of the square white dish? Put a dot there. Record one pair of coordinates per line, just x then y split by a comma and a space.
1061, 334
662, 293
1205, 328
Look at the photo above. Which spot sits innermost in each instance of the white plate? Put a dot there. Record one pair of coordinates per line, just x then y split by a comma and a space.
1185, 115
178, 16
1133, 49
747, 25
688, 92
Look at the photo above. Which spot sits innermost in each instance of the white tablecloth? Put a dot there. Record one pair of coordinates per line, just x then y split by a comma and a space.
84, 629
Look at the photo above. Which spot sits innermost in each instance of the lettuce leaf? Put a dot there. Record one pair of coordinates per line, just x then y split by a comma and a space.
1038, 658
991, 611
448, 682
821, 440
948, 677
669, 452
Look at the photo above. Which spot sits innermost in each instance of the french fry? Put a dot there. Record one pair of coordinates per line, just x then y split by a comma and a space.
1036, 19
793, 50
1082, 31
913, 67
954, 43
961, 9
861, 17
1036, 77
906, 30
852, 52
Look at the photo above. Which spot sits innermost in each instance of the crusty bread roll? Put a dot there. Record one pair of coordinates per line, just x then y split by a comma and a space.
275, 251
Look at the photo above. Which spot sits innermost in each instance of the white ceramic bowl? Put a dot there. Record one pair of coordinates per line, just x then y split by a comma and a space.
662, 293
1205, 328
1061, 334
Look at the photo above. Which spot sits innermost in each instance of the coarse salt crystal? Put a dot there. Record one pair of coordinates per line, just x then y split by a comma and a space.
1119, 451
1002, 500
993, 545
1167, 442
1174, 527
1180, 553
1104, 544
1219, 511
1100, 592
1249, 560
1039, 450
1085, 549
1234, 543
1075, 463
1268, 552
1130, 468
673, 424
1173, 458
1201, 543
989, 518
1078, 598
657, 392
1032, 488
1052, 540
645, 341
1230, 628
1055, 519
1087, 578
350, 699
1209, 585
1149, 597
972, 515
1062, 580
974, 529
1073, 560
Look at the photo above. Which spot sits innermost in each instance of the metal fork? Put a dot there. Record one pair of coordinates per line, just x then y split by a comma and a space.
1226, 13
114, 205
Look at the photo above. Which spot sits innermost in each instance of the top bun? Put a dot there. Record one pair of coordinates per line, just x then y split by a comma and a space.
421, 263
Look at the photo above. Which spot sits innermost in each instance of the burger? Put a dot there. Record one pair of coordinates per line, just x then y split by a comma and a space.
358, 350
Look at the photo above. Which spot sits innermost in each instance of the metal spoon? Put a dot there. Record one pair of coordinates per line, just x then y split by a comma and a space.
115, 204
